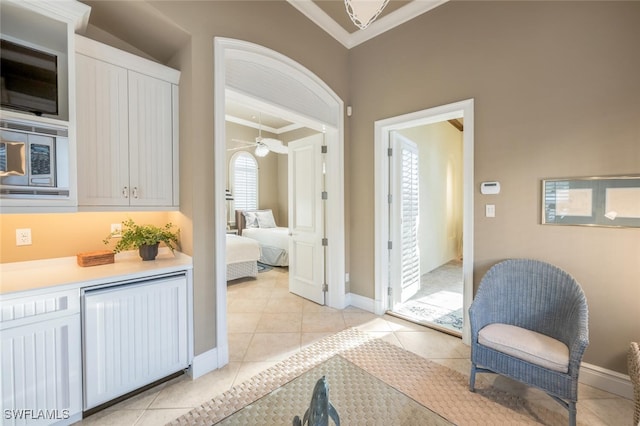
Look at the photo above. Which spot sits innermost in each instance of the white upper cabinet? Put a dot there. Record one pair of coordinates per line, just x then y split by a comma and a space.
150, 141
103, 124
127, 129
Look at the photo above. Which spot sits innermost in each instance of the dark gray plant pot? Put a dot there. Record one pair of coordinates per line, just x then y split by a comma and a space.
148, 252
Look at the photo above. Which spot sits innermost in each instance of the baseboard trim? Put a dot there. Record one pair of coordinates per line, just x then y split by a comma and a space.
606, 380
203, 363
361, 302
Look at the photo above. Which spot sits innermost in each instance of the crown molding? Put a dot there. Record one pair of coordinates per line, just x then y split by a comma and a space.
71, 11
319, 17
398, 17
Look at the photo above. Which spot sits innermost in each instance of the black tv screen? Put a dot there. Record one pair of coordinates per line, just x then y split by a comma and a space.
29, 79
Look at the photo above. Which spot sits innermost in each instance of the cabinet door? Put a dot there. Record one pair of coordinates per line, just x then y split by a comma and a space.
41, 374
133, 335
102, 133
150, 140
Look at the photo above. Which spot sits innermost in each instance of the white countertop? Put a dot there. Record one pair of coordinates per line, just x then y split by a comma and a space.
63, 273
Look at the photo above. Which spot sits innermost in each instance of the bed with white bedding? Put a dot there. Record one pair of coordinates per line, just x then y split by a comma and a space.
242, 257
274, 240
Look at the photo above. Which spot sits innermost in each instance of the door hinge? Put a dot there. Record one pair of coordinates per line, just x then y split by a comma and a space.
390, 198
389, 245
325, 287
323, 149
389, 291
389, 152
325, 242
325, 195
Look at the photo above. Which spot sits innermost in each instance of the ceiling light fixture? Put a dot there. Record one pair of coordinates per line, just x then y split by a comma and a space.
261, 150
364, 12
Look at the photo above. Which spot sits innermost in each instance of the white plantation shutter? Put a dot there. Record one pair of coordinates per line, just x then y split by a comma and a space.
410, 210
244, 181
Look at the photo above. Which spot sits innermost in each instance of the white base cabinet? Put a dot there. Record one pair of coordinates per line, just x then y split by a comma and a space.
72, 338
41, 363
133, 335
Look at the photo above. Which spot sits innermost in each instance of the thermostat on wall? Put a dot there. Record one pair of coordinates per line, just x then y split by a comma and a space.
490, 187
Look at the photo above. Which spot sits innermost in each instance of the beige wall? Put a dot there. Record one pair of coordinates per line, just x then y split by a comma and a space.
66, 234
556, 95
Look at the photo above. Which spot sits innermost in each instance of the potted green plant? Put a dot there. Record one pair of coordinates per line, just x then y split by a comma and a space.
145, 238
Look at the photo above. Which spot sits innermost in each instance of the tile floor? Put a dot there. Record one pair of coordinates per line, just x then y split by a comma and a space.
267, 324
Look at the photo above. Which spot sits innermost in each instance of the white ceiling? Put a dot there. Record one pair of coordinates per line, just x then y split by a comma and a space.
241, 113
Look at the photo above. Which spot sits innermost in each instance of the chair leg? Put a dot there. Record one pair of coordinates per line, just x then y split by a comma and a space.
572, 413
472, 378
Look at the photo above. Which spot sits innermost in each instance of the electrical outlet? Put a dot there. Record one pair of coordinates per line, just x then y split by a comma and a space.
23, 237
116, 230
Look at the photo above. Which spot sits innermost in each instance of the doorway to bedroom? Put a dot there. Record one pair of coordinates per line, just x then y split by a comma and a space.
275, 82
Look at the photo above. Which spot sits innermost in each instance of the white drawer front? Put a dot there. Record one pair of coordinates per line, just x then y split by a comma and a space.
26, 310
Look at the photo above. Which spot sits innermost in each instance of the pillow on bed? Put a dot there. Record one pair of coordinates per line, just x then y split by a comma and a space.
250, 219
265, 219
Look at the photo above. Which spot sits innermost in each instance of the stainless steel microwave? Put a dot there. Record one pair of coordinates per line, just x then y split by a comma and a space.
34, 160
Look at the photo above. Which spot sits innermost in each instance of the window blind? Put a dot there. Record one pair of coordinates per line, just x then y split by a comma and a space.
245, 182
410, 205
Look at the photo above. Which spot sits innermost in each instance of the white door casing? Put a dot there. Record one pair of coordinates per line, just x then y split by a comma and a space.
306, 219
405, 191
382, 132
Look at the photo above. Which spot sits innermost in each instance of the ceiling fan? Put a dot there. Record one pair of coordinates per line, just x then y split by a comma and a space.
263, 145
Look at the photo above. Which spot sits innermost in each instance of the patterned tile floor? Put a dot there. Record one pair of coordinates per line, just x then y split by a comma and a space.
267, 324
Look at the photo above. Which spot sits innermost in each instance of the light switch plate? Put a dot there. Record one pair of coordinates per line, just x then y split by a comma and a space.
490, 210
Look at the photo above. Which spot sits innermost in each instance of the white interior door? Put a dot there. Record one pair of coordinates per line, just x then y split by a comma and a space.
405, 209
306, 219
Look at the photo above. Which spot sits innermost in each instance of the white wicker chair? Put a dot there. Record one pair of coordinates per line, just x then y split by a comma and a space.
634, 373
529, 323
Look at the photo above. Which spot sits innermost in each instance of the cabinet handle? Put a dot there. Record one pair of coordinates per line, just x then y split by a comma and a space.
135, 192
125, 192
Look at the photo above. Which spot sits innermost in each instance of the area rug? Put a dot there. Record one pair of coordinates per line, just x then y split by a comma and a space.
422, 312
430, 385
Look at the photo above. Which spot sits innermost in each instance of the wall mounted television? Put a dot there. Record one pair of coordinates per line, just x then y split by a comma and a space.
29, 79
